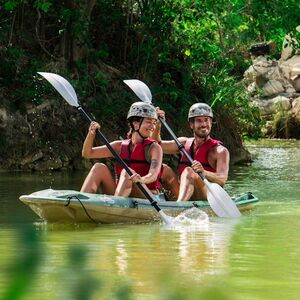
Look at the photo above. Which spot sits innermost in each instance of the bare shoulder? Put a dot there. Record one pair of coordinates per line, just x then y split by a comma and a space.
116, 145
182, 140
219, 151
155, 151
155, 146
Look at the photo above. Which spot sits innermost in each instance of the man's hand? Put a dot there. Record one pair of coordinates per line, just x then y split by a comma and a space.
197, 166
161, 113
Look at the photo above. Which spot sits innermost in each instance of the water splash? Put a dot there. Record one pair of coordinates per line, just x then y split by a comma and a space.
193, 217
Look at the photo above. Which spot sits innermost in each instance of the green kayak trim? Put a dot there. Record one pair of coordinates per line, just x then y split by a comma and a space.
68, 206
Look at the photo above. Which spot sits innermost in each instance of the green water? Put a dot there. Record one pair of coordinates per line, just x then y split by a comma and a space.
255, 257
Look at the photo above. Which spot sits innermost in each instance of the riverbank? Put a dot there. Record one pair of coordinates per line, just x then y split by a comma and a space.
49, 136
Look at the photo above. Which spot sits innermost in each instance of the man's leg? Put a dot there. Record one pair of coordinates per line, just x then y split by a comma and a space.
99, 177
170, 181
191, 186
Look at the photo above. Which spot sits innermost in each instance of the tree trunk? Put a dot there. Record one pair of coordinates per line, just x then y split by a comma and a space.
74, 40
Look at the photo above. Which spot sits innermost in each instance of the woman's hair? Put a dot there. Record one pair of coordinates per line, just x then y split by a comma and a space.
130, 124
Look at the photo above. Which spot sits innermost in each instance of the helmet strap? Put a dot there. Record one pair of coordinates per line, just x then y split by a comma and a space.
138, 130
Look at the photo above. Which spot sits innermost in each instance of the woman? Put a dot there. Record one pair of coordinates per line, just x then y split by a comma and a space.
142, 154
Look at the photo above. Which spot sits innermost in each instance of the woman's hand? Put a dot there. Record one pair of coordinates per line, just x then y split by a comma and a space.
93, 127
137, 178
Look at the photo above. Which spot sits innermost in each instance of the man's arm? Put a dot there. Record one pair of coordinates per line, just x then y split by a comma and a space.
169, 147
219, 158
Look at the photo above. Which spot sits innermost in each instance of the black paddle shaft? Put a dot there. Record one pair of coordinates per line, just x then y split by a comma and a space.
180, 146
120, 160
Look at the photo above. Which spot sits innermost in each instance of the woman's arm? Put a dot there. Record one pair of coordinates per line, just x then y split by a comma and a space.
156, 155
88, 151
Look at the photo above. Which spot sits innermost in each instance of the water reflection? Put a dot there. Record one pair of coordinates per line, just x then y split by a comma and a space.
204, 246
121, 258
254, 257
274, 174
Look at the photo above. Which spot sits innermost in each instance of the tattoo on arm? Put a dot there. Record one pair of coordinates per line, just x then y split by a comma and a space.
154, 164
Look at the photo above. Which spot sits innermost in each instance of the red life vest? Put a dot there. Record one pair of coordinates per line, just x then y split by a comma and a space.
201, 154
136, 160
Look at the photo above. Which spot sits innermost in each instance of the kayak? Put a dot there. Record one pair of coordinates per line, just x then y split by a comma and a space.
68, 206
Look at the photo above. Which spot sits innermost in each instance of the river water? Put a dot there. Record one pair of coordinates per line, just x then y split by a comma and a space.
254, 257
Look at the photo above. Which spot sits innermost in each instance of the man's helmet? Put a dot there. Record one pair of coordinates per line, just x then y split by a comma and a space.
142, 109
200, 109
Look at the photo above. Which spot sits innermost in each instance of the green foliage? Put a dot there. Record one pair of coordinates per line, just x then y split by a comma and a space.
11, 5
43, 5
230, 96
21, 272
186, 51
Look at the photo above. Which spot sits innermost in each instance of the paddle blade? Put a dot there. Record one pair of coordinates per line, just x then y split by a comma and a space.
62, 86
220, 202
140, 89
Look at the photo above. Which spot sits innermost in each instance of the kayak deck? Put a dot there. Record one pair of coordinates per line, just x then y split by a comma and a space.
68, 206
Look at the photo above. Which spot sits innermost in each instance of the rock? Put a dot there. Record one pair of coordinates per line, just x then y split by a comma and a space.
296, 84
291, 69
241, 156
295, 111
267, 77
45, 106
288, 45
3, 118
271, 106
272, 87
50, 164
32, 158
82, 164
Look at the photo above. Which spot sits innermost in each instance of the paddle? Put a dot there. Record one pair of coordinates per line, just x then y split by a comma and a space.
220, 202
68, 93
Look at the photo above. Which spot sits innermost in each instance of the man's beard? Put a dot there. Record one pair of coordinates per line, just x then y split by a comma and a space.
202, 135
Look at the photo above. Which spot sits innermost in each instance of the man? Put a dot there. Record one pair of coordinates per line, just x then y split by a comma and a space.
209, 156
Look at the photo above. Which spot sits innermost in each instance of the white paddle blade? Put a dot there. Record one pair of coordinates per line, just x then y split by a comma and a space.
167, 219
140, 89
220, 202
62, 86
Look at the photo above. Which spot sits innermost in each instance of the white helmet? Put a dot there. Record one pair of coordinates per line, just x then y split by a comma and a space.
142, 109
200, 109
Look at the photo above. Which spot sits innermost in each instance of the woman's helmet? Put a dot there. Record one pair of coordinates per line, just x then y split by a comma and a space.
200, 109
142, 109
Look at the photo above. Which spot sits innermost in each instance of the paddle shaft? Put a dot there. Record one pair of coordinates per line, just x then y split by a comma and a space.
120, 161
179, 145
217, 204
219, 200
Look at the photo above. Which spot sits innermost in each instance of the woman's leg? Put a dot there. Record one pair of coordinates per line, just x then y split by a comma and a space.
124, 186
99, 177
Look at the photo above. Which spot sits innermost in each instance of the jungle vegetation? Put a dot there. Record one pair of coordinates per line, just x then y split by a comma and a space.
186, 51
